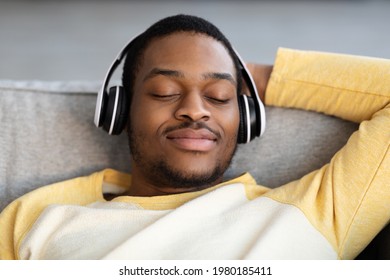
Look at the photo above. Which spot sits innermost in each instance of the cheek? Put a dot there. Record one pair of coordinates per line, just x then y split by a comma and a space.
146, 120
230, 122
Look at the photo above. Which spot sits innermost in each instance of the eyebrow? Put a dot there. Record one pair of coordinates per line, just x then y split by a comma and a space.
219, 76
178, 74
164, 72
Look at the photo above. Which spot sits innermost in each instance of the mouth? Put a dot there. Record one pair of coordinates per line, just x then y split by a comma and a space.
194, 140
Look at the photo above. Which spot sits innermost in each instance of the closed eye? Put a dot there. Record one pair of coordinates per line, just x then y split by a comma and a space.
217, 101
164, 96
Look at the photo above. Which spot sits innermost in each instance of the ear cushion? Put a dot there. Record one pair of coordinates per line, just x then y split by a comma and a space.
122, 112
247, 129
242, 130
117, 111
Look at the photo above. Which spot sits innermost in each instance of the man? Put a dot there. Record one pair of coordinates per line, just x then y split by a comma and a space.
183, 81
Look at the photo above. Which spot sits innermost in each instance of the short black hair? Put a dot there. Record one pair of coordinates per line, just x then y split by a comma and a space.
167, 26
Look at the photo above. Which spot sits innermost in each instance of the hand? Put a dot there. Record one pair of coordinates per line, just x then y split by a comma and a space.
261, 74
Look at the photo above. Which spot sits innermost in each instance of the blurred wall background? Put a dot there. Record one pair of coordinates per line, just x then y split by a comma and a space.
77, 40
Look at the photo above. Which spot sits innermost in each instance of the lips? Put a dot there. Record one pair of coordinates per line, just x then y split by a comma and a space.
196, 140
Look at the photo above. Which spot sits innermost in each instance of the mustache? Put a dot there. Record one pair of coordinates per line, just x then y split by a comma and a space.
193, 125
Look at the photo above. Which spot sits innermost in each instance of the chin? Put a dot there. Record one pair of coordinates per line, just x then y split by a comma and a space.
187, 175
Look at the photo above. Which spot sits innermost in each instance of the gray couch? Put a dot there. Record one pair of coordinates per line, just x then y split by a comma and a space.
48, 136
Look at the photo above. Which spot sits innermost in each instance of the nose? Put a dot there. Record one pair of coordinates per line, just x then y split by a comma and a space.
192, 107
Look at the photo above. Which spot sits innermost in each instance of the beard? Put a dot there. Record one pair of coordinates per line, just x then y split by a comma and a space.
158, 170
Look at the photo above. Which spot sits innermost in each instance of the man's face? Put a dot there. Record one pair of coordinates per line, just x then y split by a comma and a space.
184, 114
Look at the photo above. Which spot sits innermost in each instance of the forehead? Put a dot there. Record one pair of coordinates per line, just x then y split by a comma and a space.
188, 51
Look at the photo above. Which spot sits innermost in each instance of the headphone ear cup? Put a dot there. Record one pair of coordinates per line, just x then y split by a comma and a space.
247, 129
117, 111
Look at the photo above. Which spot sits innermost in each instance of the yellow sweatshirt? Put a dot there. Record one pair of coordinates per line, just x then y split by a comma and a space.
331, 213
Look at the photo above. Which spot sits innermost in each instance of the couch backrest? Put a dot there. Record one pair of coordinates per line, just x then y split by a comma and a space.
48, 135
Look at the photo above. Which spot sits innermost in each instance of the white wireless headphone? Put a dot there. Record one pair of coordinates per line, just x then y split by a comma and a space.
112, 107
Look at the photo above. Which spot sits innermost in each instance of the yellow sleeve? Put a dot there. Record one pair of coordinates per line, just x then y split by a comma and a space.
345, 86
348, 200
